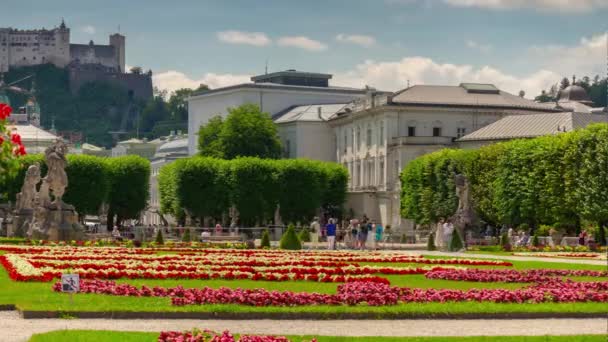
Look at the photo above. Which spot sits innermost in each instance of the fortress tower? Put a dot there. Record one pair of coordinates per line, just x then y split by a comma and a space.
118, 42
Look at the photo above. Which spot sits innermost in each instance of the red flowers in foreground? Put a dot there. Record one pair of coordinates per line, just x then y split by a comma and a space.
370, 293
210, 336
509, 276
5, 111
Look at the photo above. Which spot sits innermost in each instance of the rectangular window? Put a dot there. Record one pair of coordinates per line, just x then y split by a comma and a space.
287, 148
345, 141
381, 178
411, 131
369, 137
436, 131
461, 132
381, 140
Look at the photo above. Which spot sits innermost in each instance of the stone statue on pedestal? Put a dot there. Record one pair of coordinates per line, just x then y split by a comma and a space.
464, 214
35, 214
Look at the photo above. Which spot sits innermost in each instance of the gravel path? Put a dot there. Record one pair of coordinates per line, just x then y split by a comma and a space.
13, 328
501, 257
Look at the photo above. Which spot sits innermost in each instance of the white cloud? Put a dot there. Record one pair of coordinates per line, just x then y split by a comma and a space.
566, 6
241, 37
362, 40
172, 80
393, 76
301, 42
485, 48
89, 29
586, 58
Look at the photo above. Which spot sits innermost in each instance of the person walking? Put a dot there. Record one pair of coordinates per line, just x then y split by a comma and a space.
315, 228
379, 232
448, 230
439, 234
371, 234
362, 237
330, 229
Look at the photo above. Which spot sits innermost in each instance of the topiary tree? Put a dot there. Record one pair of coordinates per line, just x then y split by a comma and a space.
290, 240
265, 243
129, 187
535, 240
304, 235
456, 242
187, 236
430, 244
159, 238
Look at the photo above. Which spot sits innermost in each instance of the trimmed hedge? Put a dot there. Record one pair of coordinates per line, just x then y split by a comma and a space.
550, 180
209, 187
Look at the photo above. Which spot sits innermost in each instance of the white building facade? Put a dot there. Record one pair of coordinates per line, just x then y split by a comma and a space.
380, 135
273, 98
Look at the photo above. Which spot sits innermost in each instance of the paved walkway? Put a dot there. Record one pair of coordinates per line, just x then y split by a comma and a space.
518, 258
13, 328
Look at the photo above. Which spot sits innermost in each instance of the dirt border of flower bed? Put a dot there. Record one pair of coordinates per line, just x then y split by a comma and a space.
29, 314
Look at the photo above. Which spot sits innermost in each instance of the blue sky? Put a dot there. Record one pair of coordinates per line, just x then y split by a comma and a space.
517, 44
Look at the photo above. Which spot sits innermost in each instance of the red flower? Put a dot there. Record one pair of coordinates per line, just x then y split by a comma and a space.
20, 151
5, 111
16, 139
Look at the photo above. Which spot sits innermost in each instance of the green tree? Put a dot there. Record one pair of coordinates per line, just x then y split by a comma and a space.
209, 142
299, 176
565, 83
248, 132
265, 242
88, 183
155, 110
129, 187
178, 104
254, 189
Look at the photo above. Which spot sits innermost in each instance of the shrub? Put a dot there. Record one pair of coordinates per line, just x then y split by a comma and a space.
159, 238
304, 235
505, 243
535, 240
265, 239
290, 240
430, 245
456, 242
186, 237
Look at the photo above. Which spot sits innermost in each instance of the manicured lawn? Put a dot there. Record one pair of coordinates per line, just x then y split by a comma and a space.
111, 336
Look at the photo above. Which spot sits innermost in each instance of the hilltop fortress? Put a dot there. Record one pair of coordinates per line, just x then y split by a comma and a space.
85, 62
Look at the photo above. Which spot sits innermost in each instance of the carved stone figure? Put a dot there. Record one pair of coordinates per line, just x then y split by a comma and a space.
462, 191
56, 178
25, 199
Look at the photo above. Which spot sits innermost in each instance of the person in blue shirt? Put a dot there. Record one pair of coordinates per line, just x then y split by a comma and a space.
378, 237
331, 234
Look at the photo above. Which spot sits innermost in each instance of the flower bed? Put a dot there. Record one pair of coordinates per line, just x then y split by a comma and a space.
197, 335
355, 293
509, 276
44, 263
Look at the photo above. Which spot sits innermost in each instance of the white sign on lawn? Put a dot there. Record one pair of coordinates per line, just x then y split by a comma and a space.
70, 283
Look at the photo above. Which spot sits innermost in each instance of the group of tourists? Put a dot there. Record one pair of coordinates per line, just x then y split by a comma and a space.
353, 233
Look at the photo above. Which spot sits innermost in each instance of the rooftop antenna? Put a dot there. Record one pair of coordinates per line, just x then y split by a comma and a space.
408, 83
266, 67
606, 109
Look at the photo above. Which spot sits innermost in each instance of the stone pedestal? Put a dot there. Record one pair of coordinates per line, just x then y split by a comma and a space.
59, 225
22, 221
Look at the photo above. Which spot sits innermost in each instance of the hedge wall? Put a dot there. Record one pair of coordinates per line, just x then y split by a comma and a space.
122, 182
209, 187
560, 179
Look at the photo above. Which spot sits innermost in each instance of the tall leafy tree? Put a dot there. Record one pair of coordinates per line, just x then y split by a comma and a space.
129, 187
209, 142
88, 183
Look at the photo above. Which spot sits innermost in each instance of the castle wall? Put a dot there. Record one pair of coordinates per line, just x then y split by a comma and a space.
140, 86
33, 47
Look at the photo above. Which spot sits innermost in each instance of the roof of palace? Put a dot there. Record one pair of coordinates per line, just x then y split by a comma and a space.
467, 95
309, 113
533, 125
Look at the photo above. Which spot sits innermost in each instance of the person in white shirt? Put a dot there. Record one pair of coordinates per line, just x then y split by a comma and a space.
448, 230
205, 235
315, 229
